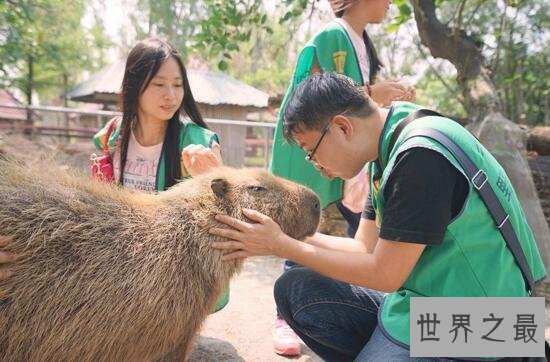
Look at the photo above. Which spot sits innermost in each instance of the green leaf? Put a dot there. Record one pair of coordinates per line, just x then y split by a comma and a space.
392, 27
222, 65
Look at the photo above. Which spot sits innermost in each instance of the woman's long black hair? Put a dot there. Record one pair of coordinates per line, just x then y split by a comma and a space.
339, 7
142, 65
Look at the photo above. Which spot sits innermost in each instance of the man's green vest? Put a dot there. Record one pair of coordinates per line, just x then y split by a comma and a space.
473, 259
334, 52
190, 133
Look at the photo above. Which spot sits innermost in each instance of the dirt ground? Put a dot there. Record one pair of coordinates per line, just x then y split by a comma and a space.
242, 330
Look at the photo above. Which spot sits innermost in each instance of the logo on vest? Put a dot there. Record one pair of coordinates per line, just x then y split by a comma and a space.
504, 187
339, 59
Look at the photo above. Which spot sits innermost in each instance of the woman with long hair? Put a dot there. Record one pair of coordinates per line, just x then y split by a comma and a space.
161, 136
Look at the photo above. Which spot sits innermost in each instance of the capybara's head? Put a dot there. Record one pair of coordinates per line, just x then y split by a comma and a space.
294, 207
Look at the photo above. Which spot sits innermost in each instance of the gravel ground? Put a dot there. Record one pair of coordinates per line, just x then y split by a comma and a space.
242, 330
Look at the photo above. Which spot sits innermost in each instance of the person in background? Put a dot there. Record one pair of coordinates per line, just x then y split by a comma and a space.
342, 46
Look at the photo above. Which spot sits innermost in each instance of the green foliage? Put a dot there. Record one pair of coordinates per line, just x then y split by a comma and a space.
431, 92
263, 60
295, 8
43, 45
178, 21
235, 36
404, 15
513, 37
228, 25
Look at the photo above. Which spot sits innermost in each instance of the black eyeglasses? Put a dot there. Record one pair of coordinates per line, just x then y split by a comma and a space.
309, 156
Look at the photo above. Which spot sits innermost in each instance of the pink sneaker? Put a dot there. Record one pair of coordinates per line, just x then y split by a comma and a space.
285, 341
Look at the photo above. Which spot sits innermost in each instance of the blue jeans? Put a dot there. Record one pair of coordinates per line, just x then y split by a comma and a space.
352, 222
338, 321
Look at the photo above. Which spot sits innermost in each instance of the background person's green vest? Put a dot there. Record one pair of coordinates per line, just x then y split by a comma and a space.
333, 51
473, 259
190, 133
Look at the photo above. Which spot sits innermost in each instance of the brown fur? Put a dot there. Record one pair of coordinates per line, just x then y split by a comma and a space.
104, 274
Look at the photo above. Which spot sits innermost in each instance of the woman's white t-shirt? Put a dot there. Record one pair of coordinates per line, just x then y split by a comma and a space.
356, 189
140, 171
360, 49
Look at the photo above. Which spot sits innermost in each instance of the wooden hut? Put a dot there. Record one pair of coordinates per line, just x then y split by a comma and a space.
218, 96
10, 116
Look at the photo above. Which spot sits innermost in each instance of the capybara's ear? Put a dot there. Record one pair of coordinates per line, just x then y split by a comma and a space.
219, 186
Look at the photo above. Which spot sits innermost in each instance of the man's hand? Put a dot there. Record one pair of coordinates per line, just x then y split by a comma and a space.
263, 237
5, 258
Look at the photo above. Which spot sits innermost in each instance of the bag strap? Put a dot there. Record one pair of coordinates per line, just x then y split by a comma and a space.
110, 129
419, 113
479, 179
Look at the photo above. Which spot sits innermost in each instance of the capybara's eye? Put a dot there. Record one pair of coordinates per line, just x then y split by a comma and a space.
257, 188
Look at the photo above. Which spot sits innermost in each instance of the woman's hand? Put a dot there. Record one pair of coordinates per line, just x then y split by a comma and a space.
5, 258
197, 159
386, 92
410, 94
264, 237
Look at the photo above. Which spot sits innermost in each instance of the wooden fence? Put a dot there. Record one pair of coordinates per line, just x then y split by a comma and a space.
238, 150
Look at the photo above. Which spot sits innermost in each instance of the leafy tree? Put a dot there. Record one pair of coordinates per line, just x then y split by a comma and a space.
43, 45
214, 28
266, 61
489, 52
178, 21
498, 49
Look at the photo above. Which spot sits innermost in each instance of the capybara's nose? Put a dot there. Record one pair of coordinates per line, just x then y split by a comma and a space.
314, 204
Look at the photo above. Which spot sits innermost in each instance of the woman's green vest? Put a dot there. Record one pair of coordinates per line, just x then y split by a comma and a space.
334, 52
473, 259
190, 133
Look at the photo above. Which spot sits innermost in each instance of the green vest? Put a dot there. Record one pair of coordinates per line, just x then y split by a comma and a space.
333, 50
473, 259
190, 133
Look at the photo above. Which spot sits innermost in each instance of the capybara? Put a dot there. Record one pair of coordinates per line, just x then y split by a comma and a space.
105, 274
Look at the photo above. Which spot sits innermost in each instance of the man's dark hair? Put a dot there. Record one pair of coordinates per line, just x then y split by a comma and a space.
319, 98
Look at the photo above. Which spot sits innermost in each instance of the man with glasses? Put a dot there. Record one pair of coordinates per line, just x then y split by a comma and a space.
425, 230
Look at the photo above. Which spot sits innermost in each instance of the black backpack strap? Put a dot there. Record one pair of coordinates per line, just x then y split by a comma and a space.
404, 123
479, 179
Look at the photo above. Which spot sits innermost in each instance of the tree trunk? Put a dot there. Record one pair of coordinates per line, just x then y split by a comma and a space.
504, 139
463, 52
28, 93
538, 140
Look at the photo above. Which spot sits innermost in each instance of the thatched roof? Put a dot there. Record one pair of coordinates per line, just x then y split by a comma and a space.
212, 88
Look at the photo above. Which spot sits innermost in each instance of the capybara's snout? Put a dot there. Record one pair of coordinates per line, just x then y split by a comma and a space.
312, 214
